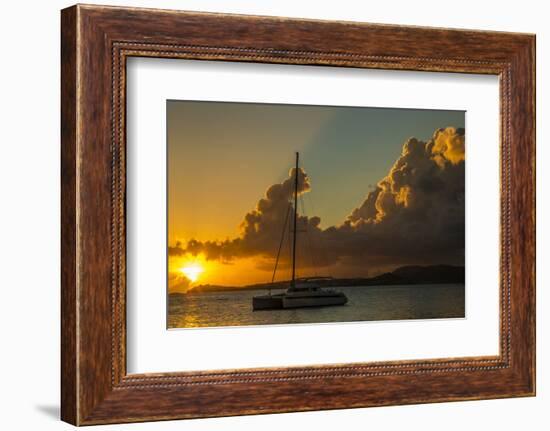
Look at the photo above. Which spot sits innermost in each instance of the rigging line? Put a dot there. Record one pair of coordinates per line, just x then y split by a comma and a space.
290, 245
280, 244
311, 255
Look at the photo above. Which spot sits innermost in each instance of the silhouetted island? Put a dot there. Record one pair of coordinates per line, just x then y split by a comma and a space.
433, 274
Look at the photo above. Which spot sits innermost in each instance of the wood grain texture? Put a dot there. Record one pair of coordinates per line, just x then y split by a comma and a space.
69, 366
96, 41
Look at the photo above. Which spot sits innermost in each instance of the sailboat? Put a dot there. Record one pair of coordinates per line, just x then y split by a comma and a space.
302, 292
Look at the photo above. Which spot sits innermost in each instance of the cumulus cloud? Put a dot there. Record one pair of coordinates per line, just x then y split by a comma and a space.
261, 228
415, 214
418, 208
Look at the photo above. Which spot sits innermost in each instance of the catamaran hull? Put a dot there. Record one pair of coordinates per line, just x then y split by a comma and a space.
279, 302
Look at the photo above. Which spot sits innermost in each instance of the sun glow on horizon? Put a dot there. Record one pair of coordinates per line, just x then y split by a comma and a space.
192, 271
189, 271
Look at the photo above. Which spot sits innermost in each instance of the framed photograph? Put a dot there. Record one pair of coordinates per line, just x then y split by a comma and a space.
267, 215
298, 251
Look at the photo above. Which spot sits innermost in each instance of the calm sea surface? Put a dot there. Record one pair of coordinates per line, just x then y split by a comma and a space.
364, 303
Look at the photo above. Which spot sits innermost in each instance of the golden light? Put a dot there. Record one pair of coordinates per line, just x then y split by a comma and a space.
192, 271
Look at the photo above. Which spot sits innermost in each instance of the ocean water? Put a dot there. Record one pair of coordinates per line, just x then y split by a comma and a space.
365, 303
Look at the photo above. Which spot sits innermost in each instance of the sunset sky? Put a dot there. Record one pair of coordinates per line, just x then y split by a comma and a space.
224, 157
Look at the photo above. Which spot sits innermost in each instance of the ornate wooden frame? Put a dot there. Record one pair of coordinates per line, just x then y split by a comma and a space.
95, 42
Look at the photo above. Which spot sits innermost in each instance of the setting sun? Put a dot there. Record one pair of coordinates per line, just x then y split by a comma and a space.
192, 271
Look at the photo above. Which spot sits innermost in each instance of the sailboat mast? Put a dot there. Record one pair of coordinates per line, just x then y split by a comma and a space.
293, 282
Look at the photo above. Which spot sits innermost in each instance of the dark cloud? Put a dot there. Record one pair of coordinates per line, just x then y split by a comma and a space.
418, 208
261, 229
414, 215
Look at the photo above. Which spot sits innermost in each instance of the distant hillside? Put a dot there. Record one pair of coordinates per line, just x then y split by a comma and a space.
433, 274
